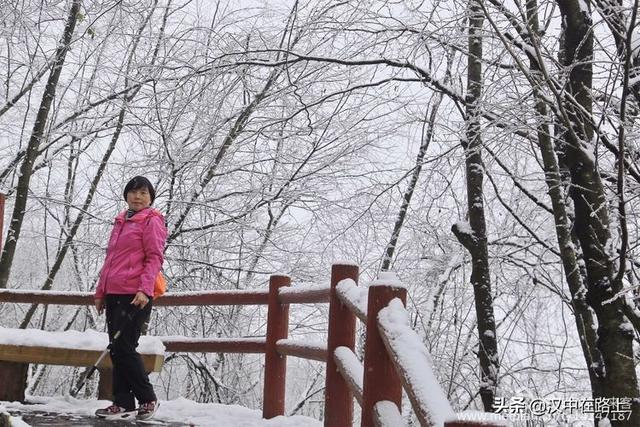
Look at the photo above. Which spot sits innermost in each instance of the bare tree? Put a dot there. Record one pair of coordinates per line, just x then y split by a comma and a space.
39, 126
474, 238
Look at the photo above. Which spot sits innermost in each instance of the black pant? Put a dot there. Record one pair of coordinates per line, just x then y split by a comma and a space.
129, 377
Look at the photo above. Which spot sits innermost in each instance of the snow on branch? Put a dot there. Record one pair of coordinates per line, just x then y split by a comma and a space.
464, 234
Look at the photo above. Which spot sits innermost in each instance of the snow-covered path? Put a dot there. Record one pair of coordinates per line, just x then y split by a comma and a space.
178, 412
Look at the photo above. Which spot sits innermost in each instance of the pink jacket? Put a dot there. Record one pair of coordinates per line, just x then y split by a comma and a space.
134, 254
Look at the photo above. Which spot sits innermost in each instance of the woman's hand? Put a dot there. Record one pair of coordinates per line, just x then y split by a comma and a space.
99, 303
140, 300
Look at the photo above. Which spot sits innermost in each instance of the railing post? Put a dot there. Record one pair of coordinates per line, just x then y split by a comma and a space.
275, 364
381, 381
338, 399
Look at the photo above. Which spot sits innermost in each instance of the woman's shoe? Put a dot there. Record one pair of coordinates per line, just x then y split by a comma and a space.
146, 410
115, 412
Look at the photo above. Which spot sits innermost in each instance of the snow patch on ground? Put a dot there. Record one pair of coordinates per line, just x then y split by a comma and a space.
178, 410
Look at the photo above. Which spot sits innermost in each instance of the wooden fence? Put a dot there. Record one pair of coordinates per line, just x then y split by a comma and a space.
376, 383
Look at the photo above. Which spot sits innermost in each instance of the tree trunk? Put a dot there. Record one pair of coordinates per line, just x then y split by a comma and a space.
585, 322
415, 175
474, 239
592, 225
39, 126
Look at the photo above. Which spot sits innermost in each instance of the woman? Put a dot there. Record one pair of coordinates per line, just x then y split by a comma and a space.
125, 289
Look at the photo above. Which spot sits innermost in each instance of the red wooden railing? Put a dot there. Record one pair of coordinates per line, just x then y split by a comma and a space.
376, 384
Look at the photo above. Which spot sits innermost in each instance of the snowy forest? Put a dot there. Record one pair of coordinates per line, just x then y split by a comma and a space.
486, 151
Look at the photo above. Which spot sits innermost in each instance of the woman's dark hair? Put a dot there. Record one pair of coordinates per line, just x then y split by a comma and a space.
139, 182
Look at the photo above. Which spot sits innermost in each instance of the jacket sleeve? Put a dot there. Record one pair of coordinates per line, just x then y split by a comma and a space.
154, 238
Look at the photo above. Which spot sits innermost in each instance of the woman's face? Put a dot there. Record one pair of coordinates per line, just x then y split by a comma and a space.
138, 199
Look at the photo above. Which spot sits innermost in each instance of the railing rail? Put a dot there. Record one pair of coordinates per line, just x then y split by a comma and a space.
428, 401
199, 298
351, 369
305, 351
214, 345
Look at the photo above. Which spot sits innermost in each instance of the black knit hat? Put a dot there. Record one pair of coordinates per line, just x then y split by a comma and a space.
139, 182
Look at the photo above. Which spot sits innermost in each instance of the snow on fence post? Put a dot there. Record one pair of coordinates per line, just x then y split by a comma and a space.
381, 381
275, 364
338, 401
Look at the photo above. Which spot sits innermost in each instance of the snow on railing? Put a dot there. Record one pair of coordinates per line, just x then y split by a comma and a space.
386, 414
413, 362
351, 369
394, 358
88, 340
354, 297
305, 294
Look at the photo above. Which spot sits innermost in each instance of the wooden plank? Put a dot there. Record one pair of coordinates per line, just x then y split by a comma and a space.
306, 296
46, 297
239, 297
291, 348
214, 345
68, 357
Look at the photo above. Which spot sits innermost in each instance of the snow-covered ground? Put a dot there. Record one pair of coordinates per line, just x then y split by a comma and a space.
179, 410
